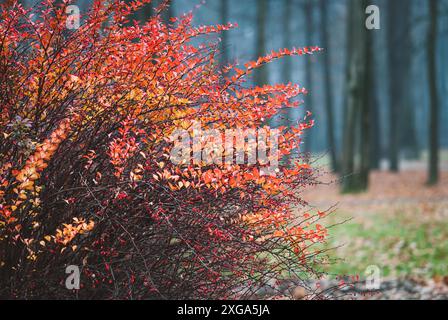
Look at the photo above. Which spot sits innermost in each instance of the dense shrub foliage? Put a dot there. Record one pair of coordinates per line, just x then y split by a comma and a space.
85, 174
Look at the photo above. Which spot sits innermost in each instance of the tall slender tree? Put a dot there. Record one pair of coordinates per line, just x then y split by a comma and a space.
407, 126
329, 105
357, 109
367, 104
433, 168
261, 75
146, 12
402, 131
287, 43
376, 151
348, 135
169, 11
309, 31
394, 84
224, 13
287, 39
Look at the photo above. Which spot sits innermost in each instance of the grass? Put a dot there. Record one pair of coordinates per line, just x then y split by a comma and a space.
399, 224
398, 243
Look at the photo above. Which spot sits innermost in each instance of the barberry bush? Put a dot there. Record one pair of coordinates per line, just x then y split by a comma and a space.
85, 173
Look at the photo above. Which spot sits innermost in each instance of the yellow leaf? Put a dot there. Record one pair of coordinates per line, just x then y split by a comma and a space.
22, 196
27, 185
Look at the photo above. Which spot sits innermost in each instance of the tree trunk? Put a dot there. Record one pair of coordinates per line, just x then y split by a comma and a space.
261, 74
433, 169
375, 125
169, 12
224, 35
367, 104
408, 135
356, 97
309, 30
329, 105
146, 12
376, 152
394, 56
287, 43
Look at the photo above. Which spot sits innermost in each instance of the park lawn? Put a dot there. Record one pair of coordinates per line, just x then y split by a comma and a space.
400, 244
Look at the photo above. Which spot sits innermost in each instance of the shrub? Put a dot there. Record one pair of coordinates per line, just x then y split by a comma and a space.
85, 171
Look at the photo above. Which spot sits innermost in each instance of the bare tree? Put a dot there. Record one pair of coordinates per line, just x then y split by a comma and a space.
366, 105
287, 43
357, 109
329, 105
287, 39
433, 168
261, 75
146, 12
402, 131
224, 12
169, 11
309, 31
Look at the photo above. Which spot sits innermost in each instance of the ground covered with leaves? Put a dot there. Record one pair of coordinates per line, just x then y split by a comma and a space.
399, 225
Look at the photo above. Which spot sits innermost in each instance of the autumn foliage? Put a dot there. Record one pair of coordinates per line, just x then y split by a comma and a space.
85, 174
